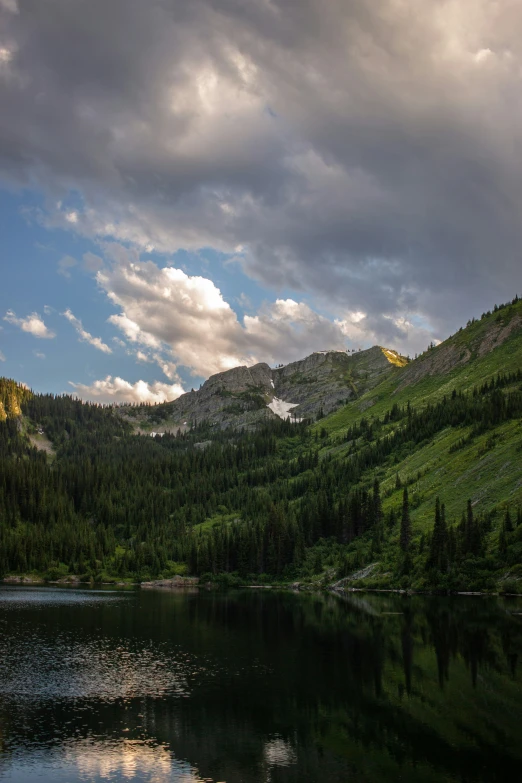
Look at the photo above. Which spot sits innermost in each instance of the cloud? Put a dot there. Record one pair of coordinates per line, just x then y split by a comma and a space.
92, 262
9, 5
401, 334
65, 264
117, 390
363, 153
166, 314
39, 354
33, 324
5, 55
2, 357
169, 369
85, 336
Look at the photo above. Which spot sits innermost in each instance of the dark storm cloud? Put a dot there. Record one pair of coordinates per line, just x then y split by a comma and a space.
368, 153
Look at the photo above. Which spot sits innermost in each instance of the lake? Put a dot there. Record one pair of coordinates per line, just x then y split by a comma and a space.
257, 687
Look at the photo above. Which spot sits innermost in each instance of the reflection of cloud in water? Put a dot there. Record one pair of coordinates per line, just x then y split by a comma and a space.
127, 760
279, 753
95, 760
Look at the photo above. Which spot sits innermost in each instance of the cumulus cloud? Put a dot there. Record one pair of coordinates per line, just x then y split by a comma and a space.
86, 336
65, 264
33, 324
365, 153
117, 390
164, 311
169, 369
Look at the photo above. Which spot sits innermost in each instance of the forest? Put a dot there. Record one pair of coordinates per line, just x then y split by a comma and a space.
278, 504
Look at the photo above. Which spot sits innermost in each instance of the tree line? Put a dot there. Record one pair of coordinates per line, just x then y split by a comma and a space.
109, 503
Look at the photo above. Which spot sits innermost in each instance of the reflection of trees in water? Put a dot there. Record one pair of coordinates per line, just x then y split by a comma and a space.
344, 675
483, 634
314, 687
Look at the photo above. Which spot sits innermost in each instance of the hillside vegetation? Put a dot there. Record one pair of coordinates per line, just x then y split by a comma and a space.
415, 482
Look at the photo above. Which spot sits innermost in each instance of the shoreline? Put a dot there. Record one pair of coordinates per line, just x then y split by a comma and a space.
192, 584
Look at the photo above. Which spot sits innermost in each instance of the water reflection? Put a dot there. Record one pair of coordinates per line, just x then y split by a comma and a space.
104, 760
27, 597
258, 687
68, 669
279, 753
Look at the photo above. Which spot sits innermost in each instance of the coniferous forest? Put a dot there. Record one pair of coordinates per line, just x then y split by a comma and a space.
285, 502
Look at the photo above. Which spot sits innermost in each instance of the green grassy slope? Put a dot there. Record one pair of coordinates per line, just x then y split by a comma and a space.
467, 359
487, 470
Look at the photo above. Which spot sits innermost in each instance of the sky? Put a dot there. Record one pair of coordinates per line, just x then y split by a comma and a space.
186, 187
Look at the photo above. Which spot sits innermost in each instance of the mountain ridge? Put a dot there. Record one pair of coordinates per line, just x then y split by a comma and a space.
243, 396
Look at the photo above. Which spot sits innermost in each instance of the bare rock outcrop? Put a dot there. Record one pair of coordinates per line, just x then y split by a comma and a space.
176, 583
240, 397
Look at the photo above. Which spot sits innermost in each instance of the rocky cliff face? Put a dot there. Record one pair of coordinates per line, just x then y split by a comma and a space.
240, 397
324, 381
11, 396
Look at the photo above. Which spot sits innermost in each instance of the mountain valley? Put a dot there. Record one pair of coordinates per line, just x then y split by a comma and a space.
354, 469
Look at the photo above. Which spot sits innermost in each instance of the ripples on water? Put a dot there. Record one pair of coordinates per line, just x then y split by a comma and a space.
68, 667
75, 674
154, 687
25, 597
63, 680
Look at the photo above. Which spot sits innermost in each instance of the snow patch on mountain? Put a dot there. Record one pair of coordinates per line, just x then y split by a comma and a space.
282, 408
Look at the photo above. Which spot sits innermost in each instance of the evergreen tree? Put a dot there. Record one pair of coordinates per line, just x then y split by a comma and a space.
439, 541
405, 535
502, 539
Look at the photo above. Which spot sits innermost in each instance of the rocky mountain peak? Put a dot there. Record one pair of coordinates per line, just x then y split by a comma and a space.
240, 379
244, 396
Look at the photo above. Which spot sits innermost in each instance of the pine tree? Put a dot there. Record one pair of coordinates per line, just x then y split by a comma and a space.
377, 519
502, 541
405, 536
469, 528
439, 541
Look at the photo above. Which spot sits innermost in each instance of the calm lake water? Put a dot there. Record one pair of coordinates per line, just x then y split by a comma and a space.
256, 686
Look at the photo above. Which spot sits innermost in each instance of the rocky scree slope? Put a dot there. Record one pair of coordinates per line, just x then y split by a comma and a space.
245, 396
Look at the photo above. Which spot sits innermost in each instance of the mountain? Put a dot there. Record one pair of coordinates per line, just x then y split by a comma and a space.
400, 474
246, 396
328, 381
